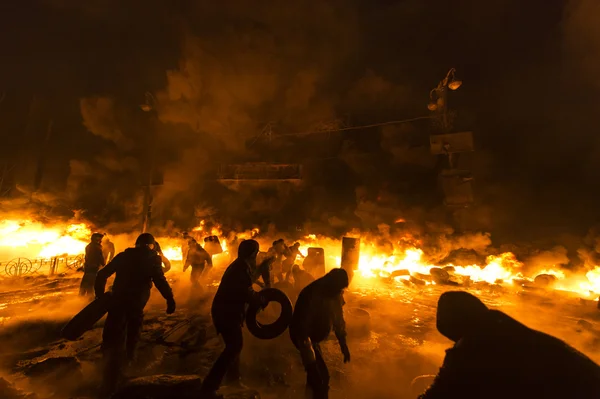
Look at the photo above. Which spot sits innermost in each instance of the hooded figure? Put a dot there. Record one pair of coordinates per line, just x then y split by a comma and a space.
136, 269
495, 356
228, 310
94, 260
319, 308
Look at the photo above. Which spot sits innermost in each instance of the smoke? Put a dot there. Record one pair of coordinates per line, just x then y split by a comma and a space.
219, 89
99, 118
582, 38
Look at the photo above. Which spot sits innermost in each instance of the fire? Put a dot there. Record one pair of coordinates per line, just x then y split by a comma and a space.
27, 238
408, 263
404, 260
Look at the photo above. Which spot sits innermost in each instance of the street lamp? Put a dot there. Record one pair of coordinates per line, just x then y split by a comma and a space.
148, 106
439, 96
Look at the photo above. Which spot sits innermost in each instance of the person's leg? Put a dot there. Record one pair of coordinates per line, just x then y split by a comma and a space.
196, 277
87, 284
322, 392
233, 347
135, 320
113, 340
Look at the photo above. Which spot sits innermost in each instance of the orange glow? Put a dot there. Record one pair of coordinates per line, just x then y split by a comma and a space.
35, 240
406, 261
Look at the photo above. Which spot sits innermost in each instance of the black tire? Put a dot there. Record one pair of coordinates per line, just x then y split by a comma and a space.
273, 330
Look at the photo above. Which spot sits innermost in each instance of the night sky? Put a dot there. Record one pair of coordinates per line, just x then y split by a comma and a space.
221, 70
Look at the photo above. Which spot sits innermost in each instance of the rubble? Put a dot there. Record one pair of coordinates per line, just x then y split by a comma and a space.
165, 386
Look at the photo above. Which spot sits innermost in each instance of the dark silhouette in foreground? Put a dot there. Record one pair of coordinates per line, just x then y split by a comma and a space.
318, 308
495, 356
136, 269
228, 313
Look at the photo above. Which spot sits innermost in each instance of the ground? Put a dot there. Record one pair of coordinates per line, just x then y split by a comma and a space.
392, 339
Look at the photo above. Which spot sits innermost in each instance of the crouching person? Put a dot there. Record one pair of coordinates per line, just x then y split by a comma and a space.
136, 269
496, 357
228, 313
318, 308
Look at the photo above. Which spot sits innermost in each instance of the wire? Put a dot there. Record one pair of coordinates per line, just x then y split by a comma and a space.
353, 127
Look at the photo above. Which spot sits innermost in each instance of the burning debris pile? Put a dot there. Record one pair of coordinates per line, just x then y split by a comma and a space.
388, 259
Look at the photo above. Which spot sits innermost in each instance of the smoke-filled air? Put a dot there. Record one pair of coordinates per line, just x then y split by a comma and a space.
314, 199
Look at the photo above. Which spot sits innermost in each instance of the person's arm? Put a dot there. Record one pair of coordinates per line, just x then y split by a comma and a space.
251, 297
166, 262
450, 381
339, 325
264, 270
159, 279
104, 274
188, 260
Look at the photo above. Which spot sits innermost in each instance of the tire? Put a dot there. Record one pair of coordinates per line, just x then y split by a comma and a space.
273, 330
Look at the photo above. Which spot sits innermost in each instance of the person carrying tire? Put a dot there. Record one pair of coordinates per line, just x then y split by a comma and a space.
200, 261
228, 313
136, 269
319, 307
497, 357
94, 260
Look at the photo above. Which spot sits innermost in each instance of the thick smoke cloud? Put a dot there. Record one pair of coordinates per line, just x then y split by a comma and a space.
221, 72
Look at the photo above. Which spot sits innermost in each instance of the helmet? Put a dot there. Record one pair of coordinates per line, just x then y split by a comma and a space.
144, 239
97, 236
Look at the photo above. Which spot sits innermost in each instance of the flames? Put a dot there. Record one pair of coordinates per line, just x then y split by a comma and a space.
408, 264
402, 262
27, 238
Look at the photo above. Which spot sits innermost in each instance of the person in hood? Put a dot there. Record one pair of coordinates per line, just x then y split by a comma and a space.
319, 307
228, 311
496, 357
94, 260
136, 269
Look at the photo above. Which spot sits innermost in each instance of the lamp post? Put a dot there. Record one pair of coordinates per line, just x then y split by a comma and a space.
149, 106
439, 97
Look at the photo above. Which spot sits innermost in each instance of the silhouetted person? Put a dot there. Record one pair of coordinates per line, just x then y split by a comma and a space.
94, 260
318, 308
136, 269
166, 263
228, 313
277, 252
497, 357
108, 249
200, 261
290, 258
